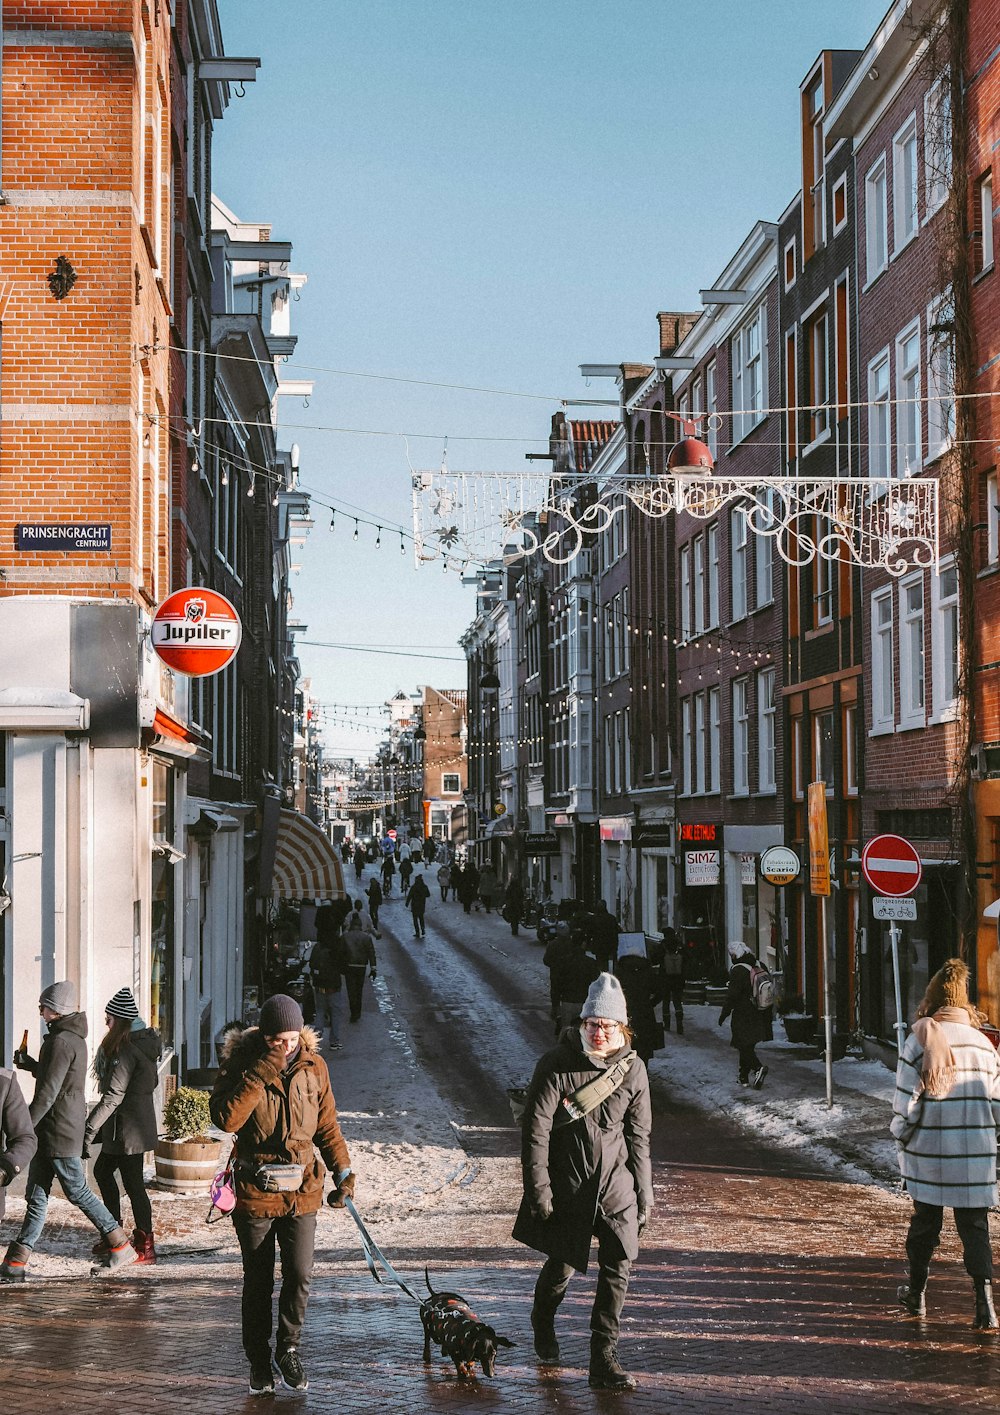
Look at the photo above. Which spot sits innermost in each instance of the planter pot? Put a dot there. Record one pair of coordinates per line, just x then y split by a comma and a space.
801, 1030
186, 1166
694, 992
716, 997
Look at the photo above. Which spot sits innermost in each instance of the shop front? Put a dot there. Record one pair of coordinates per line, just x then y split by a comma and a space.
616, 867
657, 875
701, 895
752, 904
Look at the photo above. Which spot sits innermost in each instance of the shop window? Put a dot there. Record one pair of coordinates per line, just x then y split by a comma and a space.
823, 753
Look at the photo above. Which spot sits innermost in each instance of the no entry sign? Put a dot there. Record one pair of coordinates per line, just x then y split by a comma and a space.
196, 631
891, 866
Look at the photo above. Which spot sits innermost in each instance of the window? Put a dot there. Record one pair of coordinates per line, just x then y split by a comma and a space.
937, 146
699, 743
944, 590
766, 738
698, 582
714, 740
583, 639
818, 354
816, 173
712, 409
713, 574
748, 376
904, 184
451, 783
883, 685
840, 205
789, 265
985, 211
876, 247
686, 745
741, 737
940, 377
992, 519
798, 776
685, 592
791, 382
584, 764
841, 342
850, 751
823, 755
911, 651
764, 548
823, 571
878, 416
908, 401
738, 541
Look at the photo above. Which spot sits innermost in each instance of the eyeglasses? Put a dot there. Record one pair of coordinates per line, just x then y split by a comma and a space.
598, 1024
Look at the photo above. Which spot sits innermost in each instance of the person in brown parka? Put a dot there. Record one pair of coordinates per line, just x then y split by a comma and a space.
274, 1094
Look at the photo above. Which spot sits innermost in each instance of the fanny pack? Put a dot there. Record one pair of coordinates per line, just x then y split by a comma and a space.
278, 1178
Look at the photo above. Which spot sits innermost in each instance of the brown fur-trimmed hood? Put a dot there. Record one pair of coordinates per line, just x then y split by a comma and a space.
246, 1045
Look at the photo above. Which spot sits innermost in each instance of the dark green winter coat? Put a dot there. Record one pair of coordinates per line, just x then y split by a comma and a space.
124, 1120
58, 1108
583, 1167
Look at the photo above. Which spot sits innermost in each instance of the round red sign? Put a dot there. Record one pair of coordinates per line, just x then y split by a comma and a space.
891, 866
196, 631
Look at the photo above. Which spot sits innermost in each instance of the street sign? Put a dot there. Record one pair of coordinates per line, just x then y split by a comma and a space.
819, 840
891, 865
196, 631
894, 910
779, 865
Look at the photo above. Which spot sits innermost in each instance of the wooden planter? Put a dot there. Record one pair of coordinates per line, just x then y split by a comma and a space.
694, 992
186, 1166
801, 1030
716, 996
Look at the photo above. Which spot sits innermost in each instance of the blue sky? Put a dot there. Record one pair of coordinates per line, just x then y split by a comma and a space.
490, 195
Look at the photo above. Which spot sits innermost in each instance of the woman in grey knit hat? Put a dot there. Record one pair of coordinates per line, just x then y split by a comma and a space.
586, 1170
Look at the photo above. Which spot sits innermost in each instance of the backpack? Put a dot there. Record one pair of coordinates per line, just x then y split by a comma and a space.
761, 986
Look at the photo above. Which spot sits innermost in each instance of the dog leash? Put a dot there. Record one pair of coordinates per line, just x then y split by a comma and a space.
373, 1254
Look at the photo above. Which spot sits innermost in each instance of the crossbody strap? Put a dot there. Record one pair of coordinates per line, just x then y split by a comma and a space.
589, 1096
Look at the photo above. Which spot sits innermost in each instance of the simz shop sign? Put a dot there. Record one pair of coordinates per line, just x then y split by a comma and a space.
701, 867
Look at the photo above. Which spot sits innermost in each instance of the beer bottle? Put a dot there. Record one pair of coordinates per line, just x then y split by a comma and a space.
22, 1050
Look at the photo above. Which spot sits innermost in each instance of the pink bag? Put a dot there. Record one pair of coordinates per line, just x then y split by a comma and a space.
223, 1195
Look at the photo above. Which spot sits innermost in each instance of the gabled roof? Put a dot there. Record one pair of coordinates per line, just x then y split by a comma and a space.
588, 438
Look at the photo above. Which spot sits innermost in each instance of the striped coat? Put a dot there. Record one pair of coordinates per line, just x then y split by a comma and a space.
948, 1145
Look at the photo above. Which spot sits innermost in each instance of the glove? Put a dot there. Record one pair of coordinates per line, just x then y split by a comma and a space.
643, 1218
542, 1210
275, 1057
372, 975
85, 1152
344, 1190
24, 1062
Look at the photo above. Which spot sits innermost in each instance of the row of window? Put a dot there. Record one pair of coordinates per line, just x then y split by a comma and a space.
698, 570
904, 171
701, 737
899, 629
903, 358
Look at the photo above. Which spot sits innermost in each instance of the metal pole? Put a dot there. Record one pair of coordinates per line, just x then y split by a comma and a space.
827, 1000
899, 1025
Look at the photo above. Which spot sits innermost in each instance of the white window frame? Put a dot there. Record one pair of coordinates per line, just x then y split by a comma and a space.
876, 210
698, 582
905, 187
850, 750
817, 770
986, 222
685, 592
714, 740
912, 655
839, 185
784, 256
879, 437
749, 374
447, 790
687, 743
909, 432
738, 557
820, 414
712, 540
767, 711
937, 147
700, 744
992, 519
945, 642
764, 551
824, 577
741, 736
883, 681
712, 407
940, 380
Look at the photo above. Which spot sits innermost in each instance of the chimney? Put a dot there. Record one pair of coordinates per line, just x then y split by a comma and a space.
675, 326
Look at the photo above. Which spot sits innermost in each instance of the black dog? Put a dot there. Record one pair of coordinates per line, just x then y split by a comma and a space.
451, 1323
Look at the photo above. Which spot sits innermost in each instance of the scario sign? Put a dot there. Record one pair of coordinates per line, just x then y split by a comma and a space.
779, 865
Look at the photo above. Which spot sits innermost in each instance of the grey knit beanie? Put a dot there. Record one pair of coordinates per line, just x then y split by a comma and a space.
59, 997
606, 999
281, 1013
122, 1005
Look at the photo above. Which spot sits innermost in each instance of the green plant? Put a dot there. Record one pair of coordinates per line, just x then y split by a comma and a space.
186, 1115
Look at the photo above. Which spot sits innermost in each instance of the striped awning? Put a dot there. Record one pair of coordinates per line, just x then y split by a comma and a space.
306, 866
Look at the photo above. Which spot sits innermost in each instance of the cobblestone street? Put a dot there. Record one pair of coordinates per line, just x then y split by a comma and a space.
765, 1278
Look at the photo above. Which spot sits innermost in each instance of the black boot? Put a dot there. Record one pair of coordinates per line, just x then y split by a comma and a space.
986, 1317
546, 1346
912, 1298
680, 1027
605, 1369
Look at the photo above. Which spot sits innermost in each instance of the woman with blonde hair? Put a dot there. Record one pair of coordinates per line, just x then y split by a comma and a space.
946, 1113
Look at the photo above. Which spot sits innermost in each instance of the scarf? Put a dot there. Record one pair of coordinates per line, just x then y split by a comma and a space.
598, 1058
938, 1068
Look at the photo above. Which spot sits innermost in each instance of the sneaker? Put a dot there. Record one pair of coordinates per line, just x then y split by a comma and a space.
261, 1379
291, 1370
757, 1079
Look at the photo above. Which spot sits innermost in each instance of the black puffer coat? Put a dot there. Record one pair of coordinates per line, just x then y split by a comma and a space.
58, 1109
124, 1120
751, 1024
599, 1163
17, 1139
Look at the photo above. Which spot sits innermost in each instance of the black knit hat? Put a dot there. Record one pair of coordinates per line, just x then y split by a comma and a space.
281, 1013
122, 1005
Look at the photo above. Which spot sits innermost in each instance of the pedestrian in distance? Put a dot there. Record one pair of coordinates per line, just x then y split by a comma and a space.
946, 1114
750, 1025
273, 1093
17, 1137
358, 956
587, 1173
405, 873
374, 893
444, 880
416, 897
123, 1122
672, 969
604, 935
388, 870
513, 905
639, 984
345, 851
468, 885
489, 887
326, 969
58, 1114
359, 863
430, 850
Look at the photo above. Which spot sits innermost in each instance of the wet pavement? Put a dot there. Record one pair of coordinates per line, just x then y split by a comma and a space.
765, 1281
